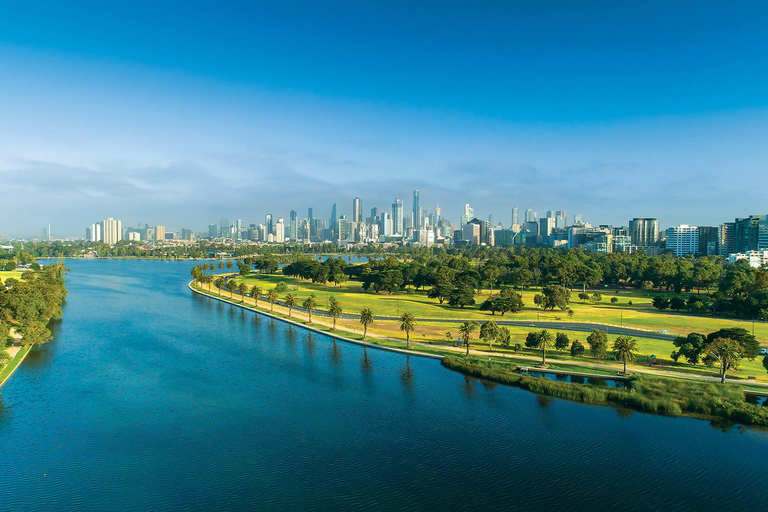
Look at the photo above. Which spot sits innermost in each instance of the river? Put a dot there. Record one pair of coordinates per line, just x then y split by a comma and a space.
152, 398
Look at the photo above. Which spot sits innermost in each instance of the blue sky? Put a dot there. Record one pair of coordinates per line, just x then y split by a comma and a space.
181, 113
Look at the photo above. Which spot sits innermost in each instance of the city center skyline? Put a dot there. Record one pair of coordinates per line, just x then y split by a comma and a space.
189, 114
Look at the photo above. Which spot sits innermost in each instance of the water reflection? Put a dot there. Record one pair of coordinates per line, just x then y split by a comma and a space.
335, 354
544, 400
468, 387
365, 362
406, 374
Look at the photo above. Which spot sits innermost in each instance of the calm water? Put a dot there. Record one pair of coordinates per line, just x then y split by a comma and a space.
152, 398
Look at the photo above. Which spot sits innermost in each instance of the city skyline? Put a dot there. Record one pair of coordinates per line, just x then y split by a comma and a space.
495, 106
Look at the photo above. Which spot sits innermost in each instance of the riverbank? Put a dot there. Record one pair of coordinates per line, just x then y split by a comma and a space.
670, 397
17, 358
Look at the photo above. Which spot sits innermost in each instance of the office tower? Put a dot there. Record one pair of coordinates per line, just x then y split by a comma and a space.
546, 225
468, 215
561, 219
186, 234
385, 224
374, 215
238, 229
515, 217
357, 210
111, 231
279, 230
490, 220
397, 217
47, 232
416, 213
333, 222
346, 229
224, 230
530, 216
708, 245
293, 225
644, 231
94, 233
683, 239
268, 222
746, 233
159, 233
213, 230
577, 220
438, 214
134, 236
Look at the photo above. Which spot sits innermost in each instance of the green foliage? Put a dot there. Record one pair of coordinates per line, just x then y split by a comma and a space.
598, 343
334, 310
577, 349
553, 296
690, 347
614, 300
505, 336
749, 344
462, 295
465, 331
407, 324
660, 302
624, 348
281, 287
489, 331
596, 297
366, 318
562, 341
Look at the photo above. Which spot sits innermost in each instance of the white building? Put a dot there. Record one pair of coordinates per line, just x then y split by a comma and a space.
756, 258
111, 231
683, 239
280, 231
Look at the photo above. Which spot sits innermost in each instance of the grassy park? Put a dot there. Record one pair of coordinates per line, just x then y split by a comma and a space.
433, 335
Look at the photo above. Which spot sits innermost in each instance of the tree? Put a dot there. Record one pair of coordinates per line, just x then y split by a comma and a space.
660, 302
540, 339
272, 298
462, 295
561, 341
598, 343
310, 304
231, 286
749, 344
290, 300
465, 331
596, 297
677, 303
583, 296
218, 283
507, 300
229, 265
366, 318
281, 287
407, 324
243, 289
765, 363
553, 296
488, 332
256, 293
690, 347
505, 336
334, 309
221, 266
577, 349
614, 300
727, 352
624, 349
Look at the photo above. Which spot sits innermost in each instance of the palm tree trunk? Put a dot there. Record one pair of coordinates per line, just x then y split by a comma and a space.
365, 330
544, 354
407, 340
722, 375
466, 342
625, 366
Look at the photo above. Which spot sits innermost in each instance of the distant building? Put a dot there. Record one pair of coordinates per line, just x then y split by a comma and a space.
357, 210
708, 241
644, 231
279, 235
469, 214
683, 240
159, 233
397, 217
756, 259
725, 238
111, 231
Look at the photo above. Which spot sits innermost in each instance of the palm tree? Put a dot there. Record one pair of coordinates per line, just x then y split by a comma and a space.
243, 289
407, 323
272, 298
366, 317
206, 279
310, 304
728, 352
231, 286
290, 300
229, 265
465, 331
221, 266
218, 283
334, 309
256, 293
624, 348
546, 339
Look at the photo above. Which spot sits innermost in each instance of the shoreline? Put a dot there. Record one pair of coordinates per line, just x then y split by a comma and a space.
314, 329
14, 364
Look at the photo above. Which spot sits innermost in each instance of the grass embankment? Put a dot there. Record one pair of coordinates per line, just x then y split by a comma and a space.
353, 298
13, 364
672, 397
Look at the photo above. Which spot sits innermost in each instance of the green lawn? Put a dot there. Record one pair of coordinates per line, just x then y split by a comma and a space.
5, 274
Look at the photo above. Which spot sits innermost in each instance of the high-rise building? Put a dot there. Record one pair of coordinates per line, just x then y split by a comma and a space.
159, 233
397, 217
708, 238
213, 230
468, 215
346, 229
111, 231
416, 213
293, 225
561, 219
515, 217
438, 214
224, 231
357, 210
279, 234
93, 234
270, 225
644, 231
746, 233
530, 216
683, 239
333, 221
186, 234
238, 229
725, 233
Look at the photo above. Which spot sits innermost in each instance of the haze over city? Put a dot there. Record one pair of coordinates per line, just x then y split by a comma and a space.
183, 114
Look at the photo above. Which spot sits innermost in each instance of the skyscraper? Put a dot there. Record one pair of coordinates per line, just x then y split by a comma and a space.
224, 227
468, 215
515, 217
644, 232
530, 216
357, 210
417, 220
683, 240
397, 217
111, 231
293, 225
269, 224
333, 221
280, 230
159, 233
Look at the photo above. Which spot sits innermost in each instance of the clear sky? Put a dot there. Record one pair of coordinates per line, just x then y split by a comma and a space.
179, 113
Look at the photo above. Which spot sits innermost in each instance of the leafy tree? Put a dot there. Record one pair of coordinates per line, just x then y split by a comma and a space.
553, 296
614, 300
281, 287
505, 336
334, 309
407, 324
366, 318
690, 347
765, 363
462, 295
272, 298
290, 300
596, 297
677, 303
570, 314
310, 304
583, 296
488, 332
660, 302
727, 352
624, 349
243, 289
465, 331
540, 339
577, 349
221, 266
749, 345
243, 268
229, 265
561, 341
598, 343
